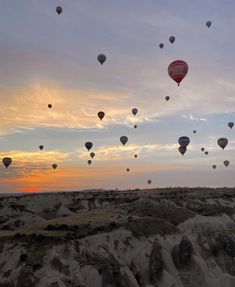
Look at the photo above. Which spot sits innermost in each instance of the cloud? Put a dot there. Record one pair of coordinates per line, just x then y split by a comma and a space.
27, 163
114, 153
193, 118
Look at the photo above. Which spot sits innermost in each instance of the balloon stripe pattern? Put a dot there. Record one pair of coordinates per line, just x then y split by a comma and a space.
177, 70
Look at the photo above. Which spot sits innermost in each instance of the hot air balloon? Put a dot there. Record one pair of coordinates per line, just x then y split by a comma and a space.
222, 142
231, 124
167, 98
135, 155
59, 10
149, 181
101, 115
127, 169
49, 106
206, 152
184, 141
135, 126
182, 150
89, 162
7, 161
88, 145
172, 39
202, 149
226, 163
208, 24
101, 58
41, 147
214, 166
54, 165
161, 45
177, 70
123, 139
194, 131
92, 154
134, 111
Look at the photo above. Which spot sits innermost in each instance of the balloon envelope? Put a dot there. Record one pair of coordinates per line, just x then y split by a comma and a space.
135, 126
202, 149
92, 154
89, 162
135, 155
167, 98
226, 163
41, 147
54, 165
49, 106
172, 39
214, 166
194, 131
127, 169
88, 145
101, 115
177, 70
149, 181
123, 139
161, 45
182, 150
222, 142
206, 152
134, 111
231, 124
184, 141
208, 24
101, 58
59, 10
7, 161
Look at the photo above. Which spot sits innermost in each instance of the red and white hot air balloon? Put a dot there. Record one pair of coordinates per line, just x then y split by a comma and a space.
177, 70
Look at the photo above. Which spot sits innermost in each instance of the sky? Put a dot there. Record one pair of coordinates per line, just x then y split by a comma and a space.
46, 58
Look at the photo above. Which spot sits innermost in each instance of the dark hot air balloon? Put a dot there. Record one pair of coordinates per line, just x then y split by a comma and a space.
161, 45
59, 10
7, 161
214, 166
101, 115
49, 106
231, 124
41, 147
182, 150
92, 154
167, 98
208, 24
222, 142
226, 163
54, 166
184, 141
88, 145
89, 162
134, 111
135, 126
101, 58
172, 39
149, 181
127, 169
123, 140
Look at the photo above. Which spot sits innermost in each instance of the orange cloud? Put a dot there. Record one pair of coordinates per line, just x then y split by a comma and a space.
27, 108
